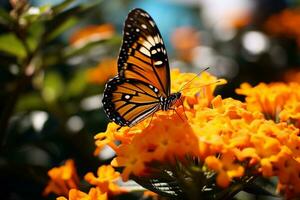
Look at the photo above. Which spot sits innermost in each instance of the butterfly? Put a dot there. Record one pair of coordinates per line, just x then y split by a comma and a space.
142, 85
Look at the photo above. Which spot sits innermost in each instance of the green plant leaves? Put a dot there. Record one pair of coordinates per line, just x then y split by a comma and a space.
62, 27
77, 84
10, 44
53, 87
62, 6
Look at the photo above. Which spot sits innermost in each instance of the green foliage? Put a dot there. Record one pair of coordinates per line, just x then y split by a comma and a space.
43, 90
53, 87
77, 84
10, 44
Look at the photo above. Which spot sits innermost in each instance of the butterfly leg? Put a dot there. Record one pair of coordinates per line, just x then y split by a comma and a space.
183, 108
174, 109
150, 120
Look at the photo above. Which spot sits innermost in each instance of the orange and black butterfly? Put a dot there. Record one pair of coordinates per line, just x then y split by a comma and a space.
142, 85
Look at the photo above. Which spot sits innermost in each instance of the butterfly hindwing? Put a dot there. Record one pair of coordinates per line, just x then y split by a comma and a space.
143, 55
127, 102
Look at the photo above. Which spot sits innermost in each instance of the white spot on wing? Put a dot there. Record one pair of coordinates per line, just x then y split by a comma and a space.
153, 51
147, 45
151, 40
145, 51
157, 39
144, 26
152, 23
158, 62
127, 96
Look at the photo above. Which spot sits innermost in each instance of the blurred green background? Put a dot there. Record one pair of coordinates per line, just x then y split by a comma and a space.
55, 57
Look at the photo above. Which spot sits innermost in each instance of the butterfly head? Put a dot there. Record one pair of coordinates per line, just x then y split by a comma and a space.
174, 97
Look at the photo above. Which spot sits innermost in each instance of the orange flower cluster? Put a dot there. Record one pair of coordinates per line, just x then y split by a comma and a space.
206, 84
91, 34
105, 180
285, 23
280, 102
199, 92
100, 74
277, 101
94, 194
62, 179
64, 182
230, 139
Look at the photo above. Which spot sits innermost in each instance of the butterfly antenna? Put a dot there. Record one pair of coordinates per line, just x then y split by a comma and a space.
193, 78
218, 81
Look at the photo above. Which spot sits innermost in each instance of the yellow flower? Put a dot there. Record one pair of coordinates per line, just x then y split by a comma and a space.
226, 168
94, 194
107, 176
153, 144
62, 179
270, 99
199, 91
160, 140
230, 137
291, 113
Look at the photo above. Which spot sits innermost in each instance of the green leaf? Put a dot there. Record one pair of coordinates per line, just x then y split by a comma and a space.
33, 14
77, 84
61, 6
32, 101
10, 44
62, 28
35, 33
53, 87
59, 20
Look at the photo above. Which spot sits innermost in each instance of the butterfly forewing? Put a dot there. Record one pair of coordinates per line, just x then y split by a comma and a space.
143, 55
142, 85
129, 102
